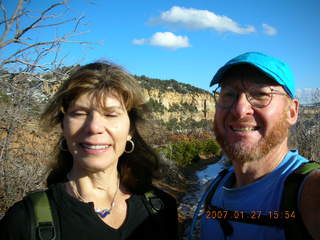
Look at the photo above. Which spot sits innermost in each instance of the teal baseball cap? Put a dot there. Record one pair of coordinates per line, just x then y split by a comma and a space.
272, 67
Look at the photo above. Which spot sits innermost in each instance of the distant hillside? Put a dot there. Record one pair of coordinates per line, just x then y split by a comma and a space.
313, 108
178, 105
167, 85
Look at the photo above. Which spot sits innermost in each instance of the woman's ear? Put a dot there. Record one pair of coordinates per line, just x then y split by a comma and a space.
129, 136
293, 111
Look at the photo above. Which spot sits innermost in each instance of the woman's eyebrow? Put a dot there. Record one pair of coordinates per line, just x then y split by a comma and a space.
96, 107
113, 108
79, 106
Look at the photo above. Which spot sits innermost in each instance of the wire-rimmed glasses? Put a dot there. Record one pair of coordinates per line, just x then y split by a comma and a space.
258, 96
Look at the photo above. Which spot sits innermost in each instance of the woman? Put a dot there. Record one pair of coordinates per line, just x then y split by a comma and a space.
104, 168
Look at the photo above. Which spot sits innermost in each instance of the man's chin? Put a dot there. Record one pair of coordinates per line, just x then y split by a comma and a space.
242, 152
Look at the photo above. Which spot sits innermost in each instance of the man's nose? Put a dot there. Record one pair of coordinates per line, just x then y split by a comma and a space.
242, 107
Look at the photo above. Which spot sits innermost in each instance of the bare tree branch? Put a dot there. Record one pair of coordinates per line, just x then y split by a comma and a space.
54, 24
29, 64
30, 51
32, 46
4, 12
8, 24
12, 18
42, 17
78, 23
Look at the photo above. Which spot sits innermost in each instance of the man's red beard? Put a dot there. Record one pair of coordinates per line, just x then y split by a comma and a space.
242, 153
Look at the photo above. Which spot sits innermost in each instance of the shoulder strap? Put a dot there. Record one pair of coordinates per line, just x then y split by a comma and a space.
289, 203
152, 202
205, 201
213, 188
42, 226
154, 205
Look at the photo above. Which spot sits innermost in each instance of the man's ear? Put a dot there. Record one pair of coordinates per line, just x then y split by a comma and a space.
293, 111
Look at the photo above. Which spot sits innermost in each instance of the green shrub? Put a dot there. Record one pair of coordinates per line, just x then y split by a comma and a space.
183, 107
155, 106
183, 153
172, 124
209, 147
4, 98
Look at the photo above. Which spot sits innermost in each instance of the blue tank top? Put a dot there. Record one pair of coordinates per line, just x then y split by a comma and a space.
260, 197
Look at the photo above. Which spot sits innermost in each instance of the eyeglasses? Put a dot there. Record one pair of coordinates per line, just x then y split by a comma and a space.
258, 96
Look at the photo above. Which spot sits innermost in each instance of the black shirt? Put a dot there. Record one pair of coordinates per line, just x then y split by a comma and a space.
79, 221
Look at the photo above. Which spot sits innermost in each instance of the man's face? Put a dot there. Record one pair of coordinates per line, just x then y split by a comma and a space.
248, 133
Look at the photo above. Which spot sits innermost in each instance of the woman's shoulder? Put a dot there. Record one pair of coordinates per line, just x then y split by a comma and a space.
17, 210
14, 223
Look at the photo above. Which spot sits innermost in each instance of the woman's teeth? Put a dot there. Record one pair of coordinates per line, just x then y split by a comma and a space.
96, 147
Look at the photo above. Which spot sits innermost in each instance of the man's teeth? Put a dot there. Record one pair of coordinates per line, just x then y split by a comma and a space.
95, 146
244, 129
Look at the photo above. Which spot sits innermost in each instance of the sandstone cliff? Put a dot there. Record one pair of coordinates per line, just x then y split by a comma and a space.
181, 106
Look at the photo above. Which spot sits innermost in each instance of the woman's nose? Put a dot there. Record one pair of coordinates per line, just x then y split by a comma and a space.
95, 123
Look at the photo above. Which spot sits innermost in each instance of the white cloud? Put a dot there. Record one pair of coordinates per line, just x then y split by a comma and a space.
269, 30
139, 41
165, 39
191, 18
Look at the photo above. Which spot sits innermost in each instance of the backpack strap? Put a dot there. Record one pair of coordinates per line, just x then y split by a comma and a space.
42, 221
205, 200
214, 187
296, 229
225, 225
154, 205
152, 202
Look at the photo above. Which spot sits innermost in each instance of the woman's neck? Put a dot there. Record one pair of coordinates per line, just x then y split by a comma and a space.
93, 186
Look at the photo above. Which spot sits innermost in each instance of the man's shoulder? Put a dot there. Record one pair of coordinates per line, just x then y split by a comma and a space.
309, 203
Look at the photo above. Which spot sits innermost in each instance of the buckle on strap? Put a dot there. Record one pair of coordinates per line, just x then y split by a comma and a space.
46, 231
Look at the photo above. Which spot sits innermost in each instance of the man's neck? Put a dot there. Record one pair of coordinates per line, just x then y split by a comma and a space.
249, 172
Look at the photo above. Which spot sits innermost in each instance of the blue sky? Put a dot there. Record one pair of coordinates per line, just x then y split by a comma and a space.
188, 40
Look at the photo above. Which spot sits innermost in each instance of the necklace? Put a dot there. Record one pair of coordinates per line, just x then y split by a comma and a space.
100, 212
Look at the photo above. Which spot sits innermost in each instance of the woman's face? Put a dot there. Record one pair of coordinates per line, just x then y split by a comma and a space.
96, 138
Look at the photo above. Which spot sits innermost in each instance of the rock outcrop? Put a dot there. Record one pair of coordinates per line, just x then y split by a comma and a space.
181, 106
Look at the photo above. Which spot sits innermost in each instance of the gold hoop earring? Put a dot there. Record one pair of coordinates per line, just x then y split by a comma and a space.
132, 147
63, 145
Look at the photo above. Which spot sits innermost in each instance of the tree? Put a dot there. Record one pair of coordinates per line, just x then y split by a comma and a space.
305, 135
19, 33
24, 58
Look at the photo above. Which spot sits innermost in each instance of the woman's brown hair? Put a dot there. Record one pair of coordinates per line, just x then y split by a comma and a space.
136, 169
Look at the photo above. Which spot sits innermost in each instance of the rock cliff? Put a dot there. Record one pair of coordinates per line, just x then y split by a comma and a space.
181, 106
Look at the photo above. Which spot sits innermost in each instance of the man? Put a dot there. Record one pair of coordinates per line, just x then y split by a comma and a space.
255, 107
